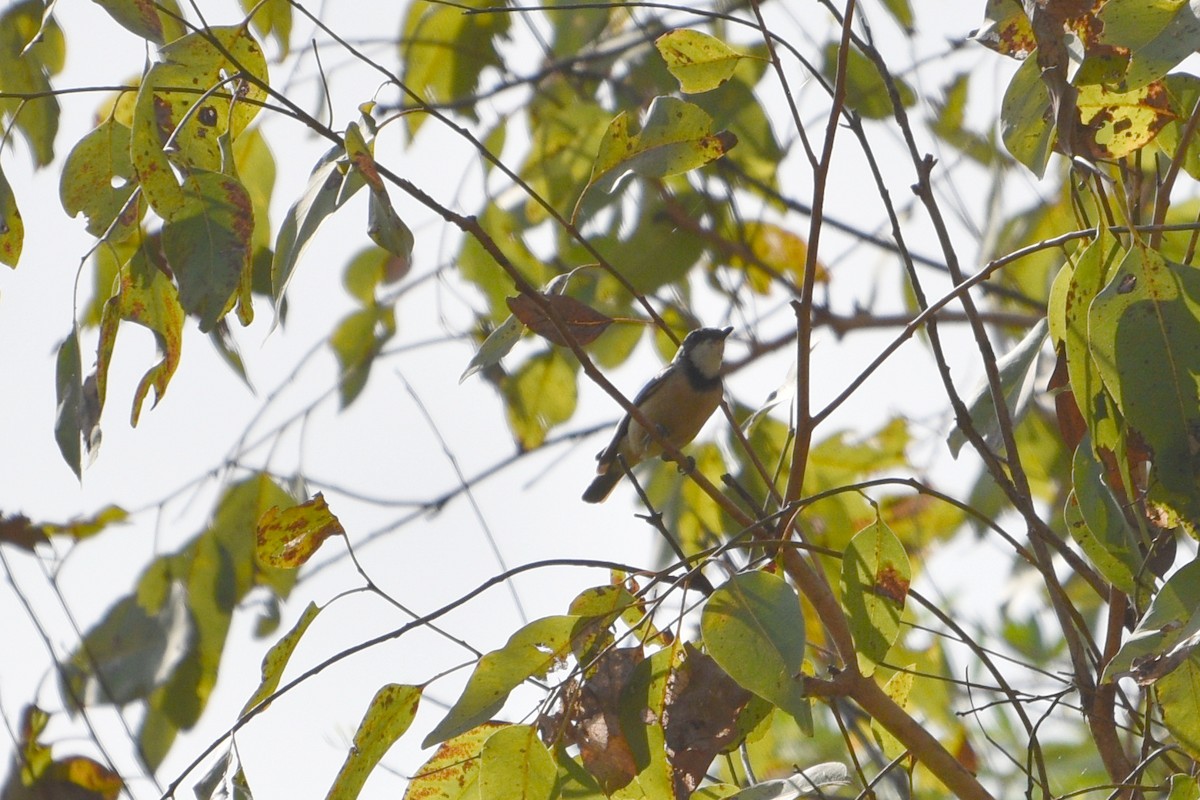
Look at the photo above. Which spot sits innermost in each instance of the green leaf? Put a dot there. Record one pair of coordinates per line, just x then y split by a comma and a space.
1144, 332
1173, 616
1097, 525
288, 538
1024, 129
329, 187
1178, 695
160, 21
699, 62
495, 347
753, 627
277, 658
207, 244
12, 229
540, 395
875, 579
356, 341
676, 137
530, 652
387, 230
146, 296
898, 688
1184, 787
515, 765
866, 91
166, 112
96, 163
642, 716
69, 415
129, 653
1018, 373
1150, 38
273, 17
443, 50
29, 53
386, 719
452, 773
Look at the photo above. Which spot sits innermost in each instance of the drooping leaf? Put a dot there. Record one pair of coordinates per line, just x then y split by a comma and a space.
699, 61
208, 244
515, 765
386, 719
329, 187
753, 627
278, 656
1018, 371
12, 229
1144, 333
89, 182
1171, 618
875, 579
166, 112
443, 50
31, 51
452, 773
19, 530
899, 689
132, 651
146, 296
356, 341
529, 652
70, 414
815, 781
287, 538
676, 137
273, 17
1024, 129
1097, 525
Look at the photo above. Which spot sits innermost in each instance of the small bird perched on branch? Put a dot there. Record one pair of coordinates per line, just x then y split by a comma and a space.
679, 400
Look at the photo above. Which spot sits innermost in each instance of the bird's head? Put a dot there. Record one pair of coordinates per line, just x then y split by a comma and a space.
704, 348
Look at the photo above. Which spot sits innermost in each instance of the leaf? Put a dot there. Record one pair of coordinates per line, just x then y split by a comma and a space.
875, 579
1178, 695
583, 322
287, 539
1119, 123
699, 62
772, 251
29, 52
539, 396
815, 781
753, 627
866, 91
129, 653
1024, 129
12, 229
208, 244
1172, 617
529, 652
328, 190
1018, 373
277, 657
676, 137
1149, 39
387, 230
70, 413
273, 17
1006, 29
495, 347
89, 182
165, 111
386, 719
443, 50
356, 341
1144, 334
19, 530
452, 773
160, 21
515, 765
80, 528
899, 689
146, 296
1098, 526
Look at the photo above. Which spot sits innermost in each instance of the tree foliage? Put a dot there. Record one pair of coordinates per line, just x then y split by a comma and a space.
655, 167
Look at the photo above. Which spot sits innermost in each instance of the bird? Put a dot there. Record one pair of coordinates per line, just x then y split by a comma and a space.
678, 401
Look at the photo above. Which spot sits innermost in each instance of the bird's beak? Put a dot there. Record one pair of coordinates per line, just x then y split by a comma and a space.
726, 332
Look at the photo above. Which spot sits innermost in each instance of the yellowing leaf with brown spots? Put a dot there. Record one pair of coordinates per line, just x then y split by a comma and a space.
698, 61
1121, 122
287, 539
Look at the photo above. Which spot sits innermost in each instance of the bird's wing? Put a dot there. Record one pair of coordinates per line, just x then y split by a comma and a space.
609, 454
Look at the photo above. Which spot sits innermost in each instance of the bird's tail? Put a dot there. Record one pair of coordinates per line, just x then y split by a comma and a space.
600, 488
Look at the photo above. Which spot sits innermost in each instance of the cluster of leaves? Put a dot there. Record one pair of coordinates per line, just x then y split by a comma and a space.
648, 139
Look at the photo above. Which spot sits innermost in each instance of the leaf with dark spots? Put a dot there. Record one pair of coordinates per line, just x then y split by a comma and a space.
287, 539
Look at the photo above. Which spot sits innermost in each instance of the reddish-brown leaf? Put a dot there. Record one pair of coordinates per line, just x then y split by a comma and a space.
583, 322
